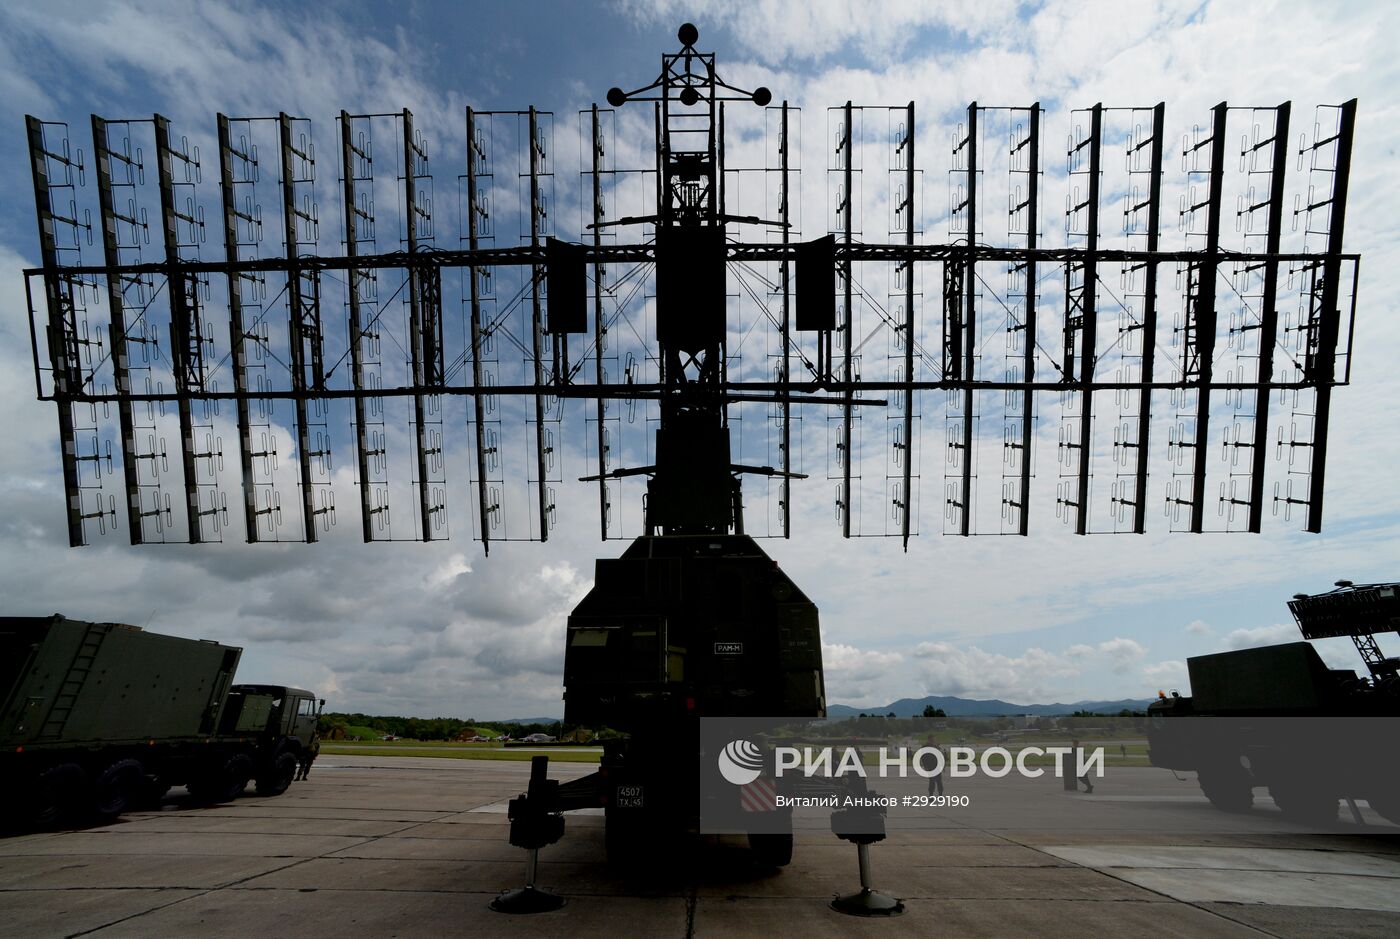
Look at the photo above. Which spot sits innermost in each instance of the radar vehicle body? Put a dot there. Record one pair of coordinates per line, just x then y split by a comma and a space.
676, 629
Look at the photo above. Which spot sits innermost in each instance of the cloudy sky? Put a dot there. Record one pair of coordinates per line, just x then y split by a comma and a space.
440, 629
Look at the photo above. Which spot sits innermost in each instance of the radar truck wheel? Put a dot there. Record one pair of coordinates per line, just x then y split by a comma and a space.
116, 788
55, 795
1228, 789
623, 837
150, 794
1304, 804
1386, 805
278, 777
223, 781
772, 848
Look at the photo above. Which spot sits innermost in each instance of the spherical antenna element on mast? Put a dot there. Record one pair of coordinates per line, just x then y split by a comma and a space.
688, 34
761, 97
617, 97
689, 96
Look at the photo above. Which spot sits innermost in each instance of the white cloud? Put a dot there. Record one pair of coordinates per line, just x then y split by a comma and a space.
858, 676
1262, 636
1199, 627
1170, 673
973, 672
778, 31
1037, 676
1123, 653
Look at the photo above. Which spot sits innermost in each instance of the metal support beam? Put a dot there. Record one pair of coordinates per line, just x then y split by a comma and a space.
1268, 317
599, 326
348, 154
1328, 334
186, 350
116, 305
296, 303
478, 403
784, 215
1203, 319
61, 330
906, 493
1149, 316
969, 340
767, 391
1088, 332
646, 253
1029, 325
847, 327
953, 270
420, 330
537, 324
237, 334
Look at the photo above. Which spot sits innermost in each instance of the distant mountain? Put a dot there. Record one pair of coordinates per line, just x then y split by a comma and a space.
967, 707
952, 706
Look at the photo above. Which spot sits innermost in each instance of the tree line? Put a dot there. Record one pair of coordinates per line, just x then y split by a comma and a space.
334, 725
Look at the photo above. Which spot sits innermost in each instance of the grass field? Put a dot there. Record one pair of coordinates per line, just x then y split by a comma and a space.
451, 750
455, 751
390, 744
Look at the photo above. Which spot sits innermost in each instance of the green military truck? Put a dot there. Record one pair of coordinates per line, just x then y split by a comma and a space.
97, 717
1279, 717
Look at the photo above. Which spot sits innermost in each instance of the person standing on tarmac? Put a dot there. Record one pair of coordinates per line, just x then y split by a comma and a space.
308, 756
1078, 754
935, 782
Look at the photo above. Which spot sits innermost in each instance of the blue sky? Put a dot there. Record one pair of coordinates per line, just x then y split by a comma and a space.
441, 630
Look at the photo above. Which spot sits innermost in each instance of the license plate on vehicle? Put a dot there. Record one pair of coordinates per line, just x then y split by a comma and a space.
628, 797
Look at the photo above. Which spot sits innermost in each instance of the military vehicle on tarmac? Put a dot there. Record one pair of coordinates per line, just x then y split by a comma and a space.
97, 717
678, 628
1278, 716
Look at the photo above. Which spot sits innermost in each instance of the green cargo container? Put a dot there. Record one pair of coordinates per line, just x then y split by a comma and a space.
79, 683
1284, 679
95, 716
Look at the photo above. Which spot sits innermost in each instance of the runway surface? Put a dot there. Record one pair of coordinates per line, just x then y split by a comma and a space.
411, 846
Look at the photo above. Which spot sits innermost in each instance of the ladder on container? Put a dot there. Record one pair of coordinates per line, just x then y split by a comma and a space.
73, 682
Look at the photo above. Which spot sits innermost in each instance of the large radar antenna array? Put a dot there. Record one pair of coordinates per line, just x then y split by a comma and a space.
162, 354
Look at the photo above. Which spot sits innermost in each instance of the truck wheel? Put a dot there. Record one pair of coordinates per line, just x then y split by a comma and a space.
116, 787
772, 849
1304, 804
1228, 790
1386, 805
278, 776
622, 837
55, 795
224, 781
151, 793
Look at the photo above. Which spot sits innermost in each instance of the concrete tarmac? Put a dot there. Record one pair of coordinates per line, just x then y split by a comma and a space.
410, 846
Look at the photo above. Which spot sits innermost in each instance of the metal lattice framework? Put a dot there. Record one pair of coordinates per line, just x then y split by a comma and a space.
388, 330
